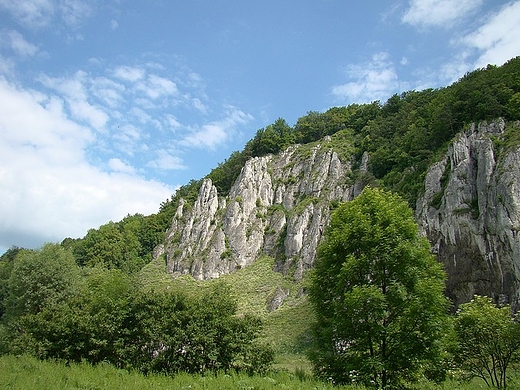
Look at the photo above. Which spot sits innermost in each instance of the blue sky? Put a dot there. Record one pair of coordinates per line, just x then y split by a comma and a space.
106, 107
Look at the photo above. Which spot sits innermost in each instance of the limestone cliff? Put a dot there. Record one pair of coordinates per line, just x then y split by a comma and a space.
278, 206
470, 212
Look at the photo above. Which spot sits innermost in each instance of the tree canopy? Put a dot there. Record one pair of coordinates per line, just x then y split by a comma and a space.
488, 340
377, 292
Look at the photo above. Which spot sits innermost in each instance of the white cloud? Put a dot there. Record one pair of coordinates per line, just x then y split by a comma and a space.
49, 190
498, 40
38, 14
155, 87
166, 160
74, 90
74, 12
494, 42
172, 122
30, 13
117, 165
114, 24
199, 106
128, 139
108, 91
210, 135
375, 80
18, 44
439, 13
129, 73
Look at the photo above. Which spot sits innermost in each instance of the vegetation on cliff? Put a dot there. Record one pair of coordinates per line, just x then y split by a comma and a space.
94, 299
403, 137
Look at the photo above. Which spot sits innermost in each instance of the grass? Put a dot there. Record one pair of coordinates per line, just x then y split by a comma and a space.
286, 329
26, 372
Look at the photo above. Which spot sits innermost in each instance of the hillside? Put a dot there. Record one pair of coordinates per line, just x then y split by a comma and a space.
458, 175
256, 220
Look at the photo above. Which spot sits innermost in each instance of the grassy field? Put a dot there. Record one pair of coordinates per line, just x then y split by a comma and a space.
26, 372
286, 328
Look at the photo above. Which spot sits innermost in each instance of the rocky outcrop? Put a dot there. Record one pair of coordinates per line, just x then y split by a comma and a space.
278, 206
470, 212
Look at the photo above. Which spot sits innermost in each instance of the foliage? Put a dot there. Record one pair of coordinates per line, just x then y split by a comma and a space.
127, 245
40, 278
377, 293
488, 340
106, 317
6, 267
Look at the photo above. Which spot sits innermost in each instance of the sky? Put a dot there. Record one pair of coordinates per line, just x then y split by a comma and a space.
108, 106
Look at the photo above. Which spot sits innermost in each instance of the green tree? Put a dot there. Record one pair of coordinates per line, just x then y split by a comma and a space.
39, 281
199, 333
488, 340
40, 278
377, 292
6, 266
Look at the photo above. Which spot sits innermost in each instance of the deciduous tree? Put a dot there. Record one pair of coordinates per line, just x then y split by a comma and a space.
378, 295
488, 340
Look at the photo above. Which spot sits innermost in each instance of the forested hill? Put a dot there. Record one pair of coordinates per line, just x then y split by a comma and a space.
403, 137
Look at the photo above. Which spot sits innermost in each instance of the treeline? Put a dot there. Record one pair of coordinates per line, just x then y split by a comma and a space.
402, 136
53, 309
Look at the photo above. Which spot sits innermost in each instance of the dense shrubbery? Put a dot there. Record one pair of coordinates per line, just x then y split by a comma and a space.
53, 309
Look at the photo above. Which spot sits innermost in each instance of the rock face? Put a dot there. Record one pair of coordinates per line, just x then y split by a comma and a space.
470, 212
278, 206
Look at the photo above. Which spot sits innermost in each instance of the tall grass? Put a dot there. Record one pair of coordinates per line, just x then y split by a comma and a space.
26, 372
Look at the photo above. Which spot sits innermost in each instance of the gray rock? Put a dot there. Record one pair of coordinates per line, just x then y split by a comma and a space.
470, 213
278, 205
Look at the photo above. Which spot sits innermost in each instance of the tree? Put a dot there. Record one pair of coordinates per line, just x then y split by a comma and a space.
39, 281
377, 292
6, 267
40, 278
488, 340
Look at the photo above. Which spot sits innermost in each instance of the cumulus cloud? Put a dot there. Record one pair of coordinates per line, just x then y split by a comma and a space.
215, 133
439, 13
374, 80
497, 40
49, 188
